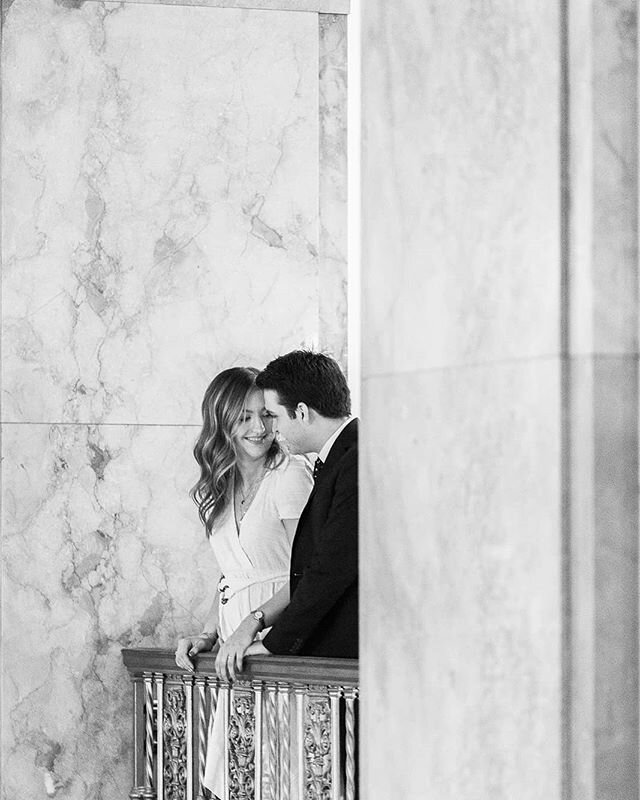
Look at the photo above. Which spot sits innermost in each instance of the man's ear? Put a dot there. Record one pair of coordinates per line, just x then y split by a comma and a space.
303, 412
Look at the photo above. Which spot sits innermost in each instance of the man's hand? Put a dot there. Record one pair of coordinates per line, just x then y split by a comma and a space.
190, 646
230, 658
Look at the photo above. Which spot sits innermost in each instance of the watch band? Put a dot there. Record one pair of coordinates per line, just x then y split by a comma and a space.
258, 615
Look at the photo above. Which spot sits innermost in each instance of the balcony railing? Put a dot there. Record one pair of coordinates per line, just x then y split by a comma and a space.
290, 727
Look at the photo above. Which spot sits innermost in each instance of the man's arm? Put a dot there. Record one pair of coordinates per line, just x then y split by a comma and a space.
333, 568
257, 649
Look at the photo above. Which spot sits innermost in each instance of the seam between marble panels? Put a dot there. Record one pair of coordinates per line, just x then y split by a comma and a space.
312, 8
558, 357
107, 424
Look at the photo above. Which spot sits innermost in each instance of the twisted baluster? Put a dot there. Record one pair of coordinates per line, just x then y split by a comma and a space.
257, 751
334, 698
159, 680
202, 734
285, 739
350, 695
301, 701
188, 733
148, 748
227, 697
138, 738
272, 740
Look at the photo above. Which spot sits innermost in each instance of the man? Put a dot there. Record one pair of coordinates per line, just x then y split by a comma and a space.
307, 397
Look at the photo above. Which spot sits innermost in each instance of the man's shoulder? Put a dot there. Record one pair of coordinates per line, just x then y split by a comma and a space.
347, 440
342, 462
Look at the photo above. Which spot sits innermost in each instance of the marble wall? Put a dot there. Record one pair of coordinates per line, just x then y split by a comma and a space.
173, 203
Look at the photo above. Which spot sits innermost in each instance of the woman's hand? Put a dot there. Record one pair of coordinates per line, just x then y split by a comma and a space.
190, 646
231, 654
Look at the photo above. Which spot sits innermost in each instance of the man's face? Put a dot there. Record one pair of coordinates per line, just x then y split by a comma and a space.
291, 431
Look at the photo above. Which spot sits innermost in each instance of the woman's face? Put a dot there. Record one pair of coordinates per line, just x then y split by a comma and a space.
252, 434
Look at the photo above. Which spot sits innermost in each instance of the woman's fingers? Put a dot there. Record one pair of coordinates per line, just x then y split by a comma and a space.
230, 662
190, 646
198, 646
182, 659
221, 661
227, 660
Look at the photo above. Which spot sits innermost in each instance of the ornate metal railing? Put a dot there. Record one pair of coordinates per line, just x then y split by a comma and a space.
290, 727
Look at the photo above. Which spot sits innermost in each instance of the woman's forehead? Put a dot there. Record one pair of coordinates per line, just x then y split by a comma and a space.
254, 400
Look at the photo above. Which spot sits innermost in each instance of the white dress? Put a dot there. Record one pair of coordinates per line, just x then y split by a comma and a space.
254, 558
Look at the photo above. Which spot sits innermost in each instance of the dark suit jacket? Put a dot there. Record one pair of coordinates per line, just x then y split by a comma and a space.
322, 616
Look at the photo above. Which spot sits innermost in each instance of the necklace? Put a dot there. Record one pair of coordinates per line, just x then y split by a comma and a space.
245, 499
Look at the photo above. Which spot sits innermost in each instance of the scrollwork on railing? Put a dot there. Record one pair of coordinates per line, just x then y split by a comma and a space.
317, 749
241, 746
290, 726
174, 726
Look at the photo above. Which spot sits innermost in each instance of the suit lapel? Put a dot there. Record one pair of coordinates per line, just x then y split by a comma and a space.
347, 439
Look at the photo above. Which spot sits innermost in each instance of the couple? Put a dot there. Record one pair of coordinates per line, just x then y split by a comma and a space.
287, 543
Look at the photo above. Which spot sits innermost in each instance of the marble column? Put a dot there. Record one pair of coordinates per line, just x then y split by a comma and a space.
499, 534
601, 400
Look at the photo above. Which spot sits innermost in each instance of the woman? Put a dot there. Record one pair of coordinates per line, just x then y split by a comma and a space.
249, 496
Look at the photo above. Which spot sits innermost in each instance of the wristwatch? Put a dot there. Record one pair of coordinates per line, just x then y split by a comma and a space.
258, 615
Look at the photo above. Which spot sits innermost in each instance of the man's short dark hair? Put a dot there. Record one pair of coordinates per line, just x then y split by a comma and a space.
305, 377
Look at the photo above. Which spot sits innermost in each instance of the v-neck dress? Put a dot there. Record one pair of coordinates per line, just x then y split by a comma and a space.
254, 557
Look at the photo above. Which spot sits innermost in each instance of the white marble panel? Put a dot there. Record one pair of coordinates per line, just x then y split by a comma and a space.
461, 584
461, 182
602, 161
610, 138
603, 529
160, 169
332, 262
102, 550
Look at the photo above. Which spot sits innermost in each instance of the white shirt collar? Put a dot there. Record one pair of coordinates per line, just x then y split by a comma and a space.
326, 447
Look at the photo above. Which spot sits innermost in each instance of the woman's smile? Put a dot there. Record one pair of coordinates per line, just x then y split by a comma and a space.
253, 433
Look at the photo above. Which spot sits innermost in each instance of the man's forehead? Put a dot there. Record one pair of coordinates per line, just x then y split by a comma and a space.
271, 398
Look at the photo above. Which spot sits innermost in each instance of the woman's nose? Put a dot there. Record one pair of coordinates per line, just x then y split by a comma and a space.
259, 425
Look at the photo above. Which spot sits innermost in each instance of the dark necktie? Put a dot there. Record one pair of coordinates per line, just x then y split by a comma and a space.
317, 467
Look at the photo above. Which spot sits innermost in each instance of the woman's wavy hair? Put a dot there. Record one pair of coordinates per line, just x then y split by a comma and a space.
222, 405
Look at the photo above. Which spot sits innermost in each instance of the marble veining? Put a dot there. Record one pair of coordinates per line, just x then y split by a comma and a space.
333, 185
154, 204
163, 218
102, 550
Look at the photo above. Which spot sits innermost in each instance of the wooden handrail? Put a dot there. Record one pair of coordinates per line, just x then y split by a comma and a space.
342, 671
